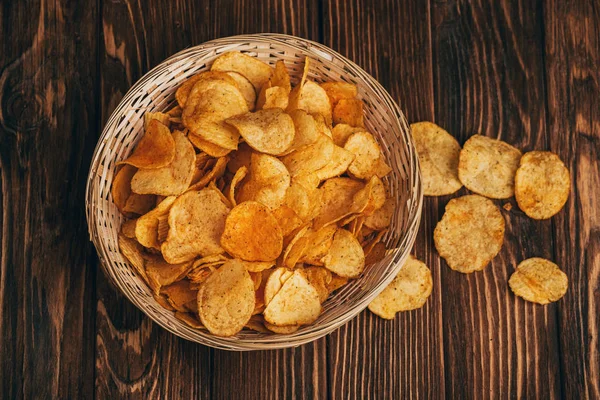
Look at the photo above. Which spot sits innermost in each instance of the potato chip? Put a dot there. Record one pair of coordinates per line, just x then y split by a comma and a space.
246, 88
409, 290
312, 98
173, 179
252, 233
346, 256
215, 172
339, 90
309, 158
189, 319
470, 234
438, 153
341, 132
200, 275
280, 76
337, 196
258, 266
319, 277
257, 72
539, 281
382, 217
268, 131
208, 147
196, 222
156, 149
348, 111
240, 158
160, 273
370, 245
132, 251
382, 168
336, 283
163, 302
184, 90
146, 228
121, 186
275, 282
370, 198
267, 183
272, 97
239, 176
284, 330
128, 228
339, 163
179, 295
287, 218
306, 130
364, 146
256, 323
296, 303
295, 248
376, 254
542, 184
175, 112
139, 203
319, 244
487, 167
163, 118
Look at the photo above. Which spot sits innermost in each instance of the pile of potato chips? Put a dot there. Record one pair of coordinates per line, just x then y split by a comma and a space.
251, 201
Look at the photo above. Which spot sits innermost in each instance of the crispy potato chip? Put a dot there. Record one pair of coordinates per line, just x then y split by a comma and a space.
409, 290
275, 282
268, 182
370, 245
163, 118
272, 97
208, 147
319, 277
163, 302
281, 77
268, 131
337, 196
252, 233
542, 184
256, 323
309, 158
179, 295
215, 172
539, 281
146, 228
339, 163
162, 228
239, 176
200, 275
470, 234
139, 203
256, 71
438, 156
336, 283
341, 132
382, 168
306, 130
245, 87
312, 98
364, 146
487, 167
295, 248
132, 251
173, 179
296, 303
306, 202
240, 158
370, 198
196, 222
189, 319
287, 218
209, 260
339, 90
160, 273
346, 256
128, 228
319, 244
348, 111
156, 149
258, 266
121, 186
256, 276
284, 330
184, 90
382, 217
226, 299
175, 112
376, 254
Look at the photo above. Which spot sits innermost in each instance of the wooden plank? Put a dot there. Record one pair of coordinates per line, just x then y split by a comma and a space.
47, 135
488, 74
572, 32
135, 358
370, 357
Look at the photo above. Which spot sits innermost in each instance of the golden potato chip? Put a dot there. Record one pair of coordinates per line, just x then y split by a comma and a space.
258, 266
175, 112
200, 275
487, 167
128, 228
319, 277
268, 131
173, 179
306, 130
132, 251
296, 303
287, 218
252, 233
212, 185
146, 228
409, 290
275, 282
160, 273
121, 186
364, 146
319, 244
139, 203
162, 227
209, 260
184, 90
322, 125
470, 233
370, 198
382, 168
295, 247
256, 71
339, 163
348, 111
239, 176
156, 149
284, 330
189, 319
438, 153
215, 172
309, 158
346, 257
163, 302
312, 98
376, 254
336, 283
226, 299
240, 158
208, 147
539, 281
245, 87
179, 295
370, 245
256, 323
163, 118
339, 90
281, 77
341, 132
382, 217
542, 184
268, 182
272, 97
196, 222
337, 196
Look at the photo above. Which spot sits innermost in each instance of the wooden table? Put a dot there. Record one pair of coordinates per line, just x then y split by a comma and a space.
525, 71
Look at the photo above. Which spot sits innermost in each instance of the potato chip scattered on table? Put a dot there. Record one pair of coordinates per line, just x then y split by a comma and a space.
539, 281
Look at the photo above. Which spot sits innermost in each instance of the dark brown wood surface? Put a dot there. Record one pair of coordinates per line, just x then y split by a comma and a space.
526, 71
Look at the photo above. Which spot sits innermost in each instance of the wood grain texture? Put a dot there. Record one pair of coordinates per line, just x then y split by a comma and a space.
47, 135
572, 32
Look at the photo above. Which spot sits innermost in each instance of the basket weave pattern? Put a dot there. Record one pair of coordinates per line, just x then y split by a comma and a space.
155, 92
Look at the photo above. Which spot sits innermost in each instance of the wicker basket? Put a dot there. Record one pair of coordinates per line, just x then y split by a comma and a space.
155, 92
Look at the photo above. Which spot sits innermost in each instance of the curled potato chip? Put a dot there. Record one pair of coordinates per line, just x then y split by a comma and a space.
346, 256
364, 146
156, 149
184, 90
339, 90
132, 251
319, 243
121, 187
252, 233
239, 176
258, 266
409, 290
200, 275
139, 203
382, 217
295, 248
268, 131
146, 228
160, 273
341, 132
180, 294
319, 277
280, 76
287, 218
470, 234
163, 118
438, 153
208, 147
306, 130
214, 173
256, 71
173, 179
542, 184
539, 281
339, 163
240, 158
312, 98
245, 87
268, 181
226, 299
196, 222
487, 167
348, 111
370, 198
296, 303
337, 200
275, 282
309, 158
